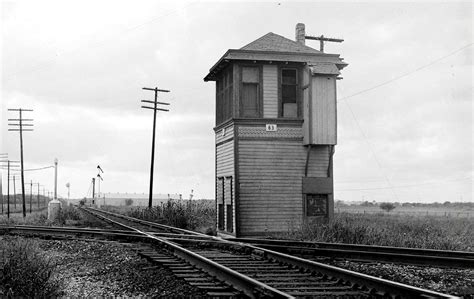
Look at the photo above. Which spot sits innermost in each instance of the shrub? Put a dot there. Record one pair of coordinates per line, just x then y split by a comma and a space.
387, 206
68, 213
187, 214
128, 202
26, 272
391, 230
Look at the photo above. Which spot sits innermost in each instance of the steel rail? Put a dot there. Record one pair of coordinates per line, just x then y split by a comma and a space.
400, 289
251, 287
95, 232
358, 247
371, 282
148, 223
411, 259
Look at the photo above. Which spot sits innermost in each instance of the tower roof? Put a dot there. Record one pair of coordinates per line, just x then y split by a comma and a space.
274, 48
277, 43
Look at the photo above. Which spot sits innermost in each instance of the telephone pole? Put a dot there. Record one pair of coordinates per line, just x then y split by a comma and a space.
10, 164
14, 193
31, 193
38, 196
323, 39
2, 157
18, 125
154, 108
93, 190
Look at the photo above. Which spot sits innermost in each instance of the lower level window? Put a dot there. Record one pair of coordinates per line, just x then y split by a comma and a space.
316, 204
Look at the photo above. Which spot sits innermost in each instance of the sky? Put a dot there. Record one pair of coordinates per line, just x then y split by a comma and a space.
405, 105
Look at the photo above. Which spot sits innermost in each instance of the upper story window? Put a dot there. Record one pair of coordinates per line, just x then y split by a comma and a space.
224, 94
250, 92
289, 93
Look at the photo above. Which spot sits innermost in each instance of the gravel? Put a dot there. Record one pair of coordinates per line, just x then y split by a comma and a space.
459, 282
99, 269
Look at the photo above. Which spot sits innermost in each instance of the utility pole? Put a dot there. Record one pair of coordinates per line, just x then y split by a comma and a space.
19, 127
14, 193
31, 193
8, 191
93, 190
323, 39
38, 196
56, 179
2, 156
68, 187
10, 165
154, 108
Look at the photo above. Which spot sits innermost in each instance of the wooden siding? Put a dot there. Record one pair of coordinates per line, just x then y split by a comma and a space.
270, 182
225, 169
323, 110
224, 134
270, 91
306, 107
259, 131
318, 161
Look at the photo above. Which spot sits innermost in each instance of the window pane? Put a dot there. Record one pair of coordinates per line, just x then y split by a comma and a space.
288, 76
249, 107
316, 204
250, 74
290, 110
288, 93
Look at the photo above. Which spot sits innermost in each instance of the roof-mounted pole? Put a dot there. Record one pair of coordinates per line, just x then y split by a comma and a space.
323, 39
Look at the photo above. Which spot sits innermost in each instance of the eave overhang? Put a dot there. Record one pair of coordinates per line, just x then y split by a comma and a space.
273, 56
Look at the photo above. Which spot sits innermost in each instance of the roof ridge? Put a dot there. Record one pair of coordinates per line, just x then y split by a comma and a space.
258, 39
275, 42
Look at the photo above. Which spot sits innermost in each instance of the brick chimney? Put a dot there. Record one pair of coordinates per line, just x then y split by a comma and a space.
300, 33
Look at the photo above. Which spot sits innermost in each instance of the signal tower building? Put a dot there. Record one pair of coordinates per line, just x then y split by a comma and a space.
276, 129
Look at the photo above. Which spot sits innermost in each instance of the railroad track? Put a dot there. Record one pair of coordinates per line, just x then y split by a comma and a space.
412, 256
228, 268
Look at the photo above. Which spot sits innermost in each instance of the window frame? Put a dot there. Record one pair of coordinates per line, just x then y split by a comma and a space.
225, 95
307, 211
298, 91
259, 84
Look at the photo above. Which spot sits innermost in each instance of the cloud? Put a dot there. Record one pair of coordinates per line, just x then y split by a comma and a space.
81, 65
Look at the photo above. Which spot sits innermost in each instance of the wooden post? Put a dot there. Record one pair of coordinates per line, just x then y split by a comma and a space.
154, 108
31, 193
8, 189
14, 193
38, 196
22, 168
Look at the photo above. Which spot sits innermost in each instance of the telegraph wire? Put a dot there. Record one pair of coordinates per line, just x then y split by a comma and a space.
390, 186
41, 168
372, 151
406, 74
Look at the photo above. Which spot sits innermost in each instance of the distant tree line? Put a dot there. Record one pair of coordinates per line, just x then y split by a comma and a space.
446, 204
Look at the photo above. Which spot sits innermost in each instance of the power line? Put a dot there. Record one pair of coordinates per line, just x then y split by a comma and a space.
371, 150
41, 168
379, 85
406, 74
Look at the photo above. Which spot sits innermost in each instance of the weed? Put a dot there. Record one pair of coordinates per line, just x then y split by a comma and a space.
391, 230
26, 272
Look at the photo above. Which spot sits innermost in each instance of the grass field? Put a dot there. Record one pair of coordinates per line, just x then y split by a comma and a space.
197, 215
416, 227
467, 212
401, 230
